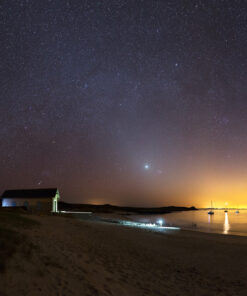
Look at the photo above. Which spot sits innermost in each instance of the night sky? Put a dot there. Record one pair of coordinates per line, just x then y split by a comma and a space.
125, 102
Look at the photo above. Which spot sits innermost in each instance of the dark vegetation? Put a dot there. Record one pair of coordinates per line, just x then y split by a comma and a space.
111, 209
11, 239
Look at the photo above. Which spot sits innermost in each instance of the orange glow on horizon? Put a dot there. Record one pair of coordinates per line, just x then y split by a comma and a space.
224, 193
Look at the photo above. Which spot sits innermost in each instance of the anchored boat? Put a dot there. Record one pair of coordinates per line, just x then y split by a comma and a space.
211, 212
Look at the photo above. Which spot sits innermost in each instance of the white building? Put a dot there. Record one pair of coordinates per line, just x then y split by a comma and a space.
45, 200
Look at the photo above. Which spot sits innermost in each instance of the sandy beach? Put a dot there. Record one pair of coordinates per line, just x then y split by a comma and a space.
77, 257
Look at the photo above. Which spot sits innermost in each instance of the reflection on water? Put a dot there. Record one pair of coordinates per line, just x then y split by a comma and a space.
226, 224
210, 218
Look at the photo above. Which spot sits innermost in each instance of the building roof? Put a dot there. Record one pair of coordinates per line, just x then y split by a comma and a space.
30, 193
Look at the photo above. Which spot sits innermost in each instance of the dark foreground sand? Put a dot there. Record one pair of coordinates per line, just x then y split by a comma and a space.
75, 257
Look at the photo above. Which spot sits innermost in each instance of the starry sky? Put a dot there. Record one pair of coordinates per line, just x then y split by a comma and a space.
125, 102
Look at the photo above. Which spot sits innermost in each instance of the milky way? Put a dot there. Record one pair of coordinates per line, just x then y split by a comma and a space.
109, 100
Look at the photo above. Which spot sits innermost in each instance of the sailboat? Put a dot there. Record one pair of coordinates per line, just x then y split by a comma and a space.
226, 208
211, 212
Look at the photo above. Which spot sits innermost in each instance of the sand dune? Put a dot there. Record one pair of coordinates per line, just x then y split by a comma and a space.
73, 257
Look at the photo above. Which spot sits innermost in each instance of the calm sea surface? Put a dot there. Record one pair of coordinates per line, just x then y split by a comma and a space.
220, 222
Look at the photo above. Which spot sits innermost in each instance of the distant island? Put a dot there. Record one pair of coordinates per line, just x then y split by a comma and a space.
107, 208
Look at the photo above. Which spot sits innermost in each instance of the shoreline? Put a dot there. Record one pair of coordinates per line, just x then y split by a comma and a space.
119, 218
182, 231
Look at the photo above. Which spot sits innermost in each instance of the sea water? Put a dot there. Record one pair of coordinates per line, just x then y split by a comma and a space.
221, 222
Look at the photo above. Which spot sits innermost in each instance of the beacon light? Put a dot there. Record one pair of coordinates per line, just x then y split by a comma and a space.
160, 222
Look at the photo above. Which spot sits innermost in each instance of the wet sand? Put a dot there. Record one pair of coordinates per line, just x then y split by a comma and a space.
77, 257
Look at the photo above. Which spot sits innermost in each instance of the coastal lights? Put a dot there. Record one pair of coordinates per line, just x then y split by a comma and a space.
160, 222
148, 225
